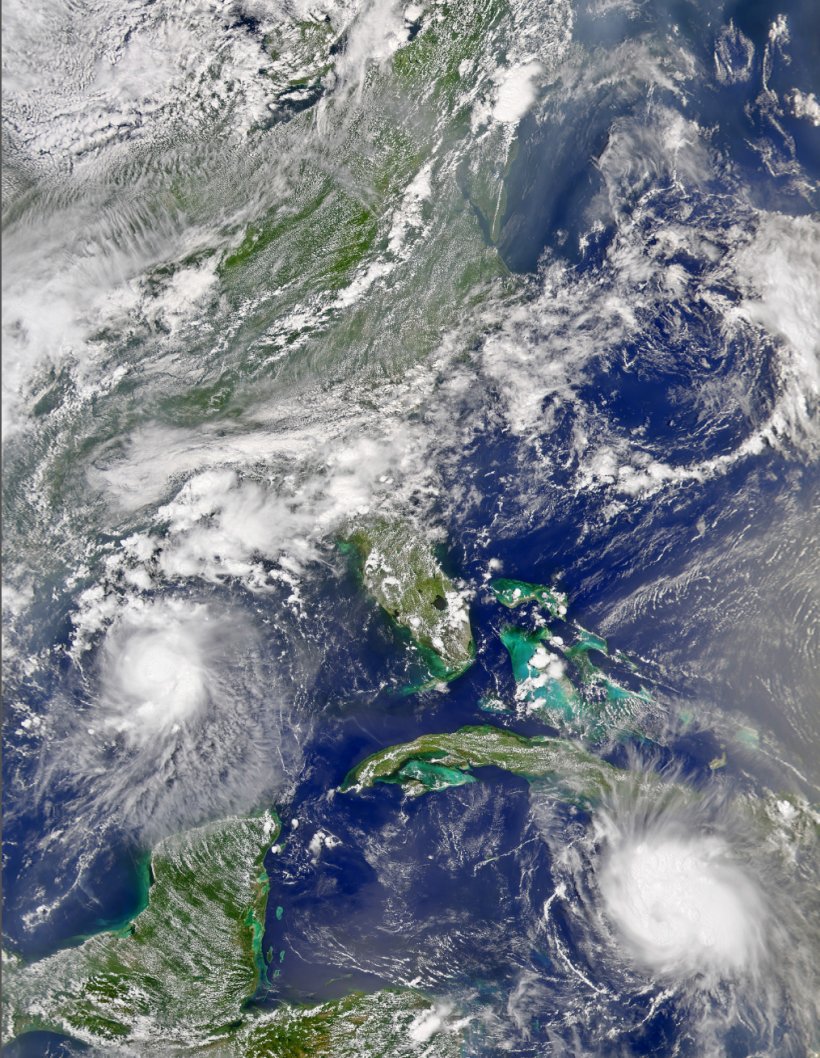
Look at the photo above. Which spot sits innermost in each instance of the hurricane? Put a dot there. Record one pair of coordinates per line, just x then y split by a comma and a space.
179, 695
682, 890
154, 675
681, 905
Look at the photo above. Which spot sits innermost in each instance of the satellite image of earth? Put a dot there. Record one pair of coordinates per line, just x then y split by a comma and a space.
411, 528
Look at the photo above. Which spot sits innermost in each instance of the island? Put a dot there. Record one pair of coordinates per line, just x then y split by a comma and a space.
436, 761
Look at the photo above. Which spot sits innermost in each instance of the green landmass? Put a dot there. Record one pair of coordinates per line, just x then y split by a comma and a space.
512, 593
393, 1023
310, 286
182, 970
178, 979
433, 762
400, 571
319, 236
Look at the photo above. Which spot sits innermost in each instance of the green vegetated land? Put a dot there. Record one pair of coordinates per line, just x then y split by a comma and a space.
400, 571
433, 762
178, 978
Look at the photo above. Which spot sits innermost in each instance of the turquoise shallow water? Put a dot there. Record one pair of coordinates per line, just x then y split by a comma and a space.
531, 285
